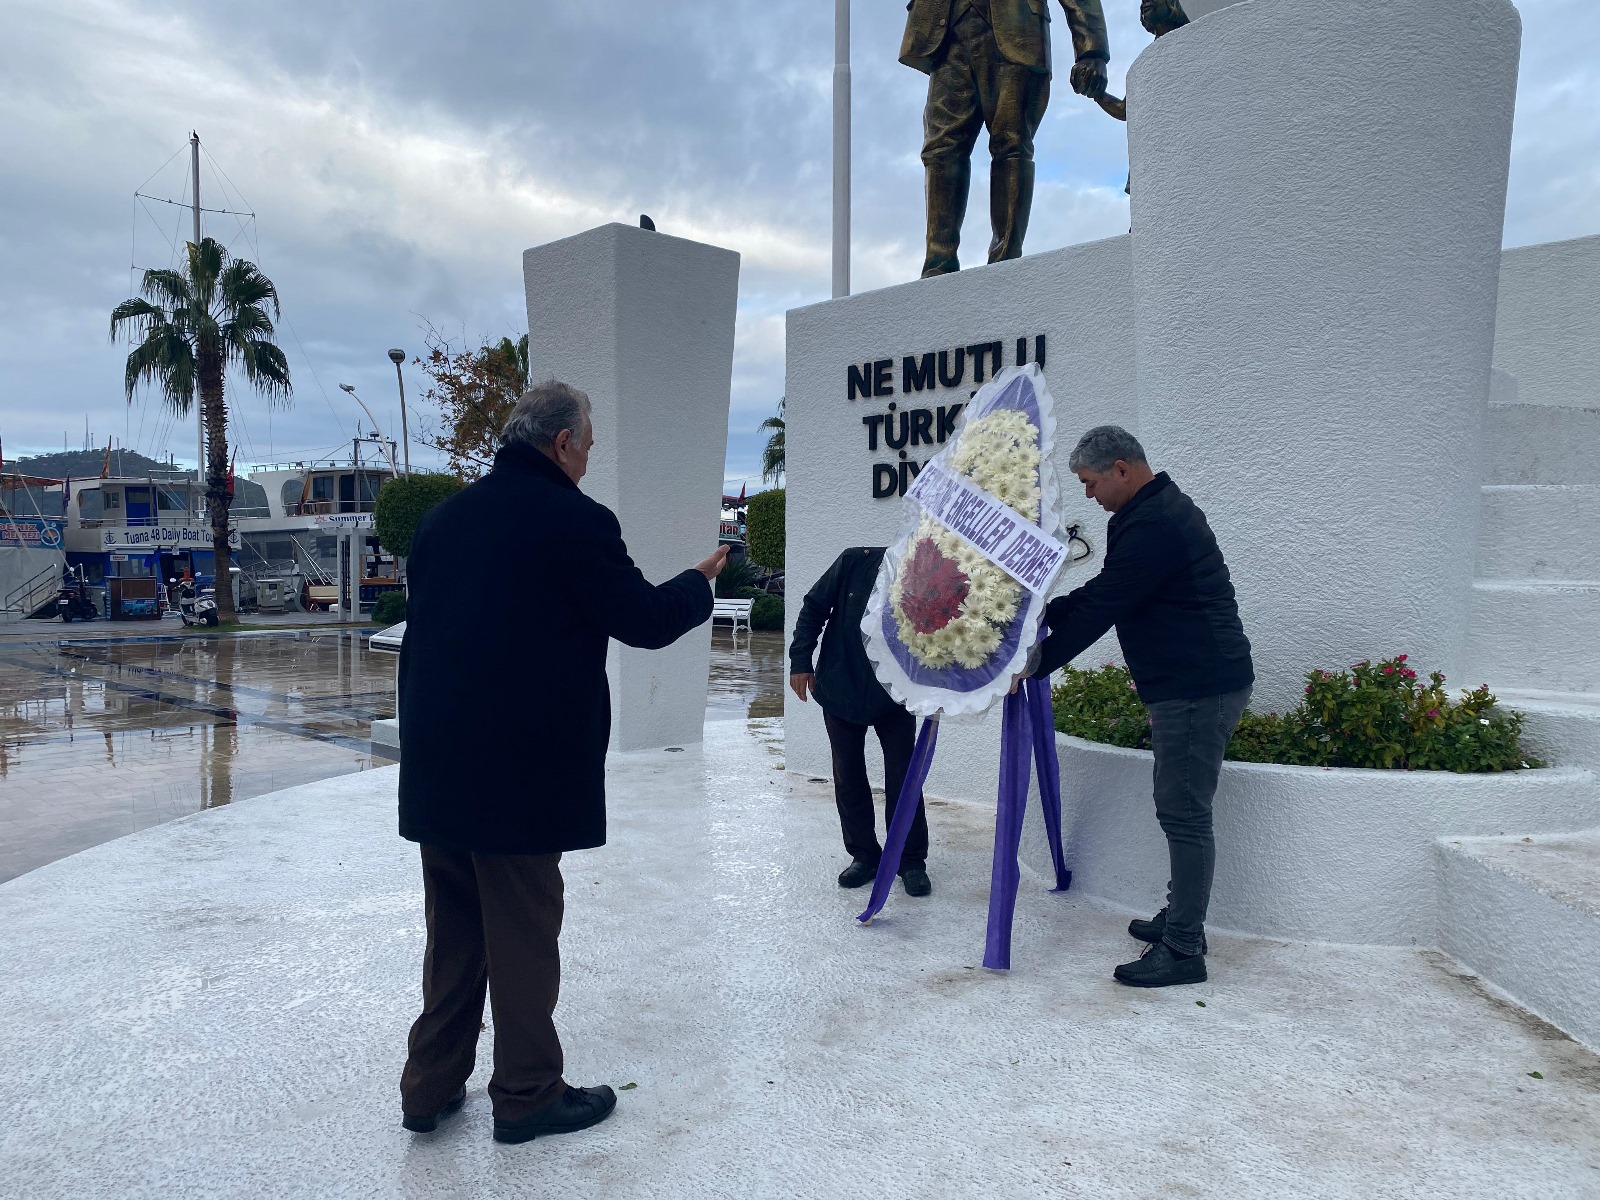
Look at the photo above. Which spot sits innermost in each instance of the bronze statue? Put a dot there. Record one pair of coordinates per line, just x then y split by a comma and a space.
988, 66
1159, 17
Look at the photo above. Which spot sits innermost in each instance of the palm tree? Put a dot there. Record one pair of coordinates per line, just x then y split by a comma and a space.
507, 361
772, 457
188, 328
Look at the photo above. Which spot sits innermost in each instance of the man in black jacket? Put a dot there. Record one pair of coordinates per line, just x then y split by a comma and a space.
853, 701
1164, 586
518, 583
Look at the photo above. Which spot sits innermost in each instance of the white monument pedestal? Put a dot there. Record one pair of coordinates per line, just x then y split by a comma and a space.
1318, 193
643, 323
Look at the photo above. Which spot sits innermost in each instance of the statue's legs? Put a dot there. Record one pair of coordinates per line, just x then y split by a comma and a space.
1019, 104
951, 122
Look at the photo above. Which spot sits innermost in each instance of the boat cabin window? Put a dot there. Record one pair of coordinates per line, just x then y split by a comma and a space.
91, 505
172, 501
113, 499
293, 489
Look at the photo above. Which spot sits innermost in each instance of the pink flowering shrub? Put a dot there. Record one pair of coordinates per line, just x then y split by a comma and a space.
1368, 715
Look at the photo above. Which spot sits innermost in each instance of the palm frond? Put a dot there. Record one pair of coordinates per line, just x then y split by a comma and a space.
267, 369
242, 285
142, 315
166, 359
168, 288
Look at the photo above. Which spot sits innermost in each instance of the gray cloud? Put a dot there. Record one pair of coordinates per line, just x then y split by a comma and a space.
400, 156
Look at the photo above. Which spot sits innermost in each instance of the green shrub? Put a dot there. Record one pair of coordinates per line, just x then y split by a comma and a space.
1371, 715
767, 612
734, 580
402, 503
390, 608
764, 528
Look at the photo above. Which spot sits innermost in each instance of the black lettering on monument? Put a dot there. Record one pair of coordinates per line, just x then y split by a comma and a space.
1038, 350
978, 352
1022, 351
872, 422
946, 378
947, 421
908, 472
916, 374
921, 426
883, 377
885, 479
889, 438
860, 380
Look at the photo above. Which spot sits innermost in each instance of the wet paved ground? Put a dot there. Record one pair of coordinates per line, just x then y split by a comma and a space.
107, 729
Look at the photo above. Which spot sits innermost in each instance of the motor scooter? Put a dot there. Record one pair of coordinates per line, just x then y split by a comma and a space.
73, 603
195, 607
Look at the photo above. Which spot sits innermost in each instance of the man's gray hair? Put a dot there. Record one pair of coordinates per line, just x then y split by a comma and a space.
543, 412
1102, 446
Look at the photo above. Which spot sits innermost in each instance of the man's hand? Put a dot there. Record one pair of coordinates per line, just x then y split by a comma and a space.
1089, 77
712, 567
803, 683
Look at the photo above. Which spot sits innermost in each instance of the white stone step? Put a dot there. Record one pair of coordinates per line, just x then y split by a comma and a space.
1524, 914
1535, 635
1539, 532
1562, 728
1540, 443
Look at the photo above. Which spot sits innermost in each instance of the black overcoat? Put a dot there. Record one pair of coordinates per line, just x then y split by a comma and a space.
517, 584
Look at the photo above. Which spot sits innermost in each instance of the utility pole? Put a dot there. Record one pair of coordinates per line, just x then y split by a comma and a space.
841, 148
199, 415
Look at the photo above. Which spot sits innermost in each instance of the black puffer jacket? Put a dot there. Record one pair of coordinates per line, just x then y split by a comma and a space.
846, 685
1165, 587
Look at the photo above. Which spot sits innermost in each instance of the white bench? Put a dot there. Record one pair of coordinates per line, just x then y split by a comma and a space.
735, 611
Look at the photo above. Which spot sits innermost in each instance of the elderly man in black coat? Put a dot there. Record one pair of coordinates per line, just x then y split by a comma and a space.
1166, 588
517, 585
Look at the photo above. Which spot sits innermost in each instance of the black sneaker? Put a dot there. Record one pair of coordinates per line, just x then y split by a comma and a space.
857, 874
429, 1123
1155, 929
1162, 966
574, 1109
916, 882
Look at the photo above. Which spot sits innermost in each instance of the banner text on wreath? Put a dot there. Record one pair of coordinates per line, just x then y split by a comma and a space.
903, 429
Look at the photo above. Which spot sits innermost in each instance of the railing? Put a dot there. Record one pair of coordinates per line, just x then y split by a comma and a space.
27, 597
313, 508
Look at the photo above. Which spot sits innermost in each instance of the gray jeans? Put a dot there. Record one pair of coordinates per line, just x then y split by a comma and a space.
1188, 738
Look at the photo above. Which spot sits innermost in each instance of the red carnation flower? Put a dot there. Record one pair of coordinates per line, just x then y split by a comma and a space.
932, 589
1400, 658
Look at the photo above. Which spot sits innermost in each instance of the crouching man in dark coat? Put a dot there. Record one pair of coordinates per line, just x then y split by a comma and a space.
1166, 588
517, 585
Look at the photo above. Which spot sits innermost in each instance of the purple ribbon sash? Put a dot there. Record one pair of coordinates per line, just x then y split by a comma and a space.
1027, 721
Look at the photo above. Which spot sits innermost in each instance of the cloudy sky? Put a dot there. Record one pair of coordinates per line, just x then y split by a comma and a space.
399, 156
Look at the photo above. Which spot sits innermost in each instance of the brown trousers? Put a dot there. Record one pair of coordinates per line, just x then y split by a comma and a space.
494, 922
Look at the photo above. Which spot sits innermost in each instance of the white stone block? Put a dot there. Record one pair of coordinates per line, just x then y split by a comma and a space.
1539, 532
644, 322
1077, 298
1524, 913
1546, 332
1541, 443
1302, 852
1317, 214
1534, 635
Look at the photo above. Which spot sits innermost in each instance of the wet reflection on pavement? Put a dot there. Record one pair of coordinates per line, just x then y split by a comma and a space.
748, 675
98, 739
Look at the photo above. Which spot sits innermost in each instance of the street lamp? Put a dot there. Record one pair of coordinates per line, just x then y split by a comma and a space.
397, 357
345, 387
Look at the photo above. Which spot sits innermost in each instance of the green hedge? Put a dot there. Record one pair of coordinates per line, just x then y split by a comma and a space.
1366, 716
765, 528
389, 609
402, 503
767, 612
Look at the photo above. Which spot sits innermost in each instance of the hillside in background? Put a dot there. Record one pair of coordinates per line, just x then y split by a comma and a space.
87, 464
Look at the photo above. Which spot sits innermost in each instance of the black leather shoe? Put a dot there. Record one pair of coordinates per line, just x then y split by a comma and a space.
1162, 966
574, 1109
430, 1123
857, 874
1155, 929
916, 882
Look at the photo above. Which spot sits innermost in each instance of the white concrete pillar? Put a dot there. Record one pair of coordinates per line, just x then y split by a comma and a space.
643, 323
1319, 188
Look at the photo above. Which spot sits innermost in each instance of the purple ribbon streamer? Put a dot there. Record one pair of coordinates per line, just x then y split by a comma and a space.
1049, 766
1015, 737
894, 842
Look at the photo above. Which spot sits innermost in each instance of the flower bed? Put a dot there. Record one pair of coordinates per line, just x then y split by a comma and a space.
1369, 715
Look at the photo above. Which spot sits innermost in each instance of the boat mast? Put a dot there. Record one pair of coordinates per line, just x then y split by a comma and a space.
199, 415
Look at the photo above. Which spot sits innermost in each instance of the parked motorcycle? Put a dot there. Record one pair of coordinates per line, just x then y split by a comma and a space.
73, 603
196, 607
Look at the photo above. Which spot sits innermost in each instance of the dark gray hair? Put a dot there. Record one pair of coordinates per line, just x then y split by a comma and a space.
543, 412
1102, 446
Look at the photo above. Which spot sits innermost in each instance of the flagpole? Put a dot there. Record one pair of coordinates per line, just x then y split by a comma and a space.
841, 148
